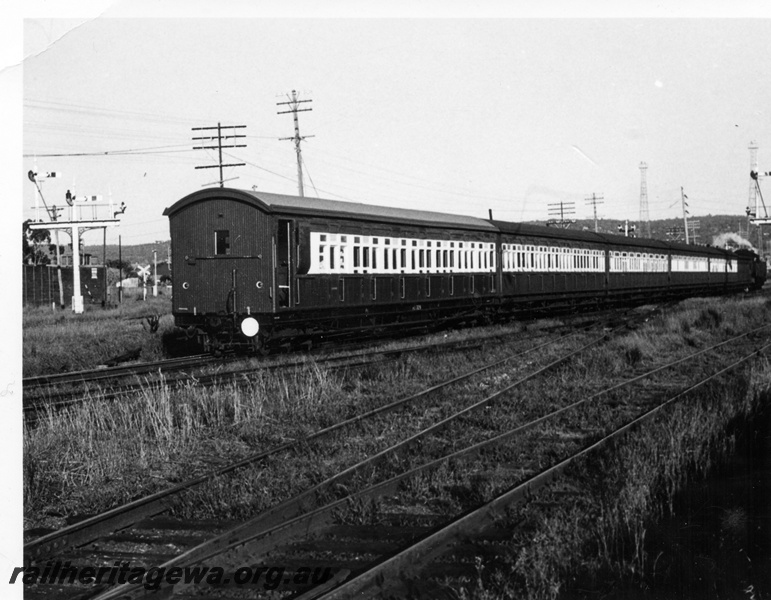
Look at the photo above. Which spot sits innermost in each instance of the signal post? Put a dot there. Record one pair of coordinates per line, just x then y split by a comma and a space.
759, 216
75, 223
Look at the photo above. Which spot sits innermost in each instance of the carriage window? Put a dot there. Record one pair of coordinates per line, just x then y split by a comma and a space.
222, 242
322, 255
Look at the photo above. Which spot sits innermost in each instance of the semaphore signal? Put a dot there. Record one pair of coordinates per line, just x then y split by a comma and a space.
82, 214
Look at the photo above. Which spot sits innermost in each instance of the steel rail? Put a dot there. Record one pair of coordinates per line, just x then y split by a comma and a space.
41, 381
113, 392
125, 515
297, 505
86, 376
31, 410
287, 510
268, 534
389, 575
356, 360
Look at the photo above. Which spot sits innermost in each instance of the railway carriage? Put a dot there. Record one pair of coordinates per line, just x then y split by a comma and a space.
543, 266
255, 269
288, 268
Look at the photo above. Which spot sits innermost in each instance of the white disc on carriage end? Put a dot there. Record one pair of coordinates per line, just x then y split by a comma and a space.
250, 327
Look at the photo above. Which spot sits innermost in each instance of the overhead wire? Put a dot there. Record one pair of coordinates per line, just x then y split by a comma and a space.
179, 149
148, 116
429, 185
125, 152
101, 111
179, 152
256, 166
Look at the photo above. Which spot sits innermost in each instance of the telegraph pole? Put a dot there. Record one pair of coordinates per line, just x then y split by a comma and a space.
675, 232
294, 103
594, 201
694, 225
219, 146
561, 209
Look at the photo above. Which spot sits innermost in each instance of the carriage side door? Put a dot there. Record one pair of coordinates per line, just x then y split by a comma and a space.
284, 263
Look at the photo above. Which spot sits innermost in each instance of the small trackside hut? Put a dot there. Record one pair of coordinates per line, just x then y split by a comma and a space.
257, 269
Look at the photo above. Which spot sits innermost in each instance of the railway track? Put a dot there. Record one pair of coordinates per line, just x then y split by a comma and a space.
374, 542
40, 382
94, 540
63, 386
53, 393
396, 572
120, 516
63, 389
46, 393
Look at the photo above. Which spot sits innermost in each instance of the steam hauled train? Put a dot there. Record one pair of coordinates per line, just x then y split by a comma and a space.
256, 270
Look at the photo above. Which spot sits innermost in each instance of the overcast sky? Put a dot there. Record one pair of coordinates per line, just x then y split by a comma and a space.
457, 115
489, 109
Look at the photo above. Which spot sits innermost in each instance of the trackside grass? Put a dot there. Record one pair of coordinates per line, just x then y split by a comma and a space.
594, 543
597, 541
56, 342
92, 457
99, 454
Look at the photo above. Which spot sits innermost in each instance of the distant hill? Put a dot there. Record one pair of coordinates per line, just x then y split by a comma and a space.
710, 227
138, 254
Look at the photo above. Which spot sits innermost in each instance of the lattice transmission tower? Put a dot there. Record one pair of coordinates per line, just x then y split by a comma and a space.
644, 216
